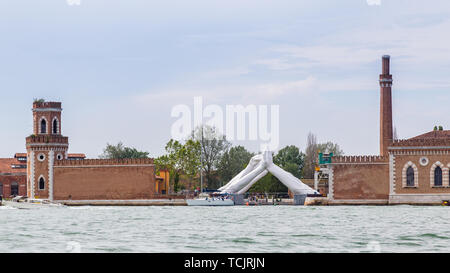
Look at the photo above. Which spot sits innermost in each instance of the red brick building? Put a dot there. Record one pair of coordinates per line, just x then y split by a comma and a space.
411, 171
48, 171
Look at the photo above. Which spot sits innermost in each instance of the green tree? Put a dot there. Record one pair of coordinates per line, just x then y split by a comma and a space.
189, 157
291, 159
180, 158
268, 184
232, 163
213, 146
120, 151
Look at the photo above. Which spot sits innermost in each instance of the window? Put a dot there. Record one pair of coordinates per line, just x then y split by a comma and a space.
41, 157
410, 177
14, 188
41, 183
43, 126
55, 126
1, 189
438, 177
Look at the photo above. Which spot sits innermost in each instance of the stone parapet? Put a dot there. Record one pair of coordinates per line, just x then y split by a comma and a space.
360, 159
102, 162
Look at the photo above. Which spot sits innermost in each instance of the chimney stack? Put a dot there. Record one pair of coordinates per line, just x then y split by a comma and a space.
386, 127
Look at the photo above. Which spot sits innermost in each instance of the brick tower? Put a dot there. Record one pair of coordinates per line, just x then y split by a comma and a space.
44, 146
386, 128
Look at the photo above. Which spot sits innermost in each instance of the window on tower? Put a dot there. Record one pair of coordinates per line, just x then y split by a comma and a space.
41, 183
43, 126
55, 126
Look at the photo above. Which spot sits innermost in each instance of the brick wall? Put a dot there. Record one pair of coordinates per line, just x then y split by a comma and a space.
424, 172
7, 180
365, 177
96, 179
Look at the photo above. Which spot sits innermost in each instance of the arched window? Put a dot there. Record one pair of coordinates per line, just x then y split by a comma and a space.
14, 188
55, 126
43, 126
410, 177
41, 183
438, 177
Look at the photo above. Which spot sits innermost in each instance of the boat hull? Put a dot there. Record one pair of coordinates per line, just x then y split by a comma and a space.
29, 205
209, 202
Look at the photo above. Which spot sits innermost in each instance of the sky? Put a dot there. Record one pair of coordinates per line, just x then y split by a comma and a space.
120, 66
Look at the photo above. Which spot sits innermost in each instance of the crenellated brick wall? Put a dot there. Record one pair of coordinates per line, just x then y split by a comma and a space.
100, 162
47, 139
361, 181
363, 177
104, 179
360, 159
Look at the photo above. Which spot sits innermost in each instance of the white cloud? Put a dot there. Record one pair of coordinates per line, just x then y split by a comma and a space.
246, 94
374, 2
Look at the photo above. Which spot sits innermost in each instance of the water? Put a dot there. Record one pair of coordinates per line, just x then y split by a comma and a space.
226, 229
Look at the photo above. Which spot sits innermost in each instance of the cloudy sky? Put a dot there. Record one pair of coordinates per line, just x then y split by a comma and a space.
119, 66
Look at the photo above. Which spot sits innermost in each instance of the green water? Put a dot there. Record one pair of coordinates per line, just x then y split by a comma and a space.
226, 229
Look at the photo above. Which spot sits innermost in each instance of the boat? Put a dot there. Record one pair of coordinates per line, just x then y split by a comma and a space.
23, 202
210, 201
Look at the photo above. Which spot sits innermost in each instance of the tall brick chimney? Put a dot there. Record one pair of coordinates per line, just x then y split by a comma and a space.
386, 130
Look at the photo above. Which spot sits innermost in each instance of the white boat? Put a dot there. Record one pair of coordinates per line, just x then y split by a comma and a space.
21, 202
210, 201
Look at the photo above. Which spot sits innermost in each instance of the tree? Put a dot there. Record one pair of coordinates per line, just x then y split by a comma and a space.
310, 156
180, 158
312, 153
232, 163
120, 151
213, 146
330, 147
268, 184
291, 160
189, 158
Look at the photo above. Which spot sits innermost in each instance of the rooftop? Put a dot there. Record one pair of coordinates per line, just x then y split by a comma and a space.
11, 165
434, 134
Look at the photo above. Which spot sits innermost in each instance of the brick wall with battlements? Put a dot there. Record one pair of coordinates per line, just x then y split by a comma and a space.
104, 179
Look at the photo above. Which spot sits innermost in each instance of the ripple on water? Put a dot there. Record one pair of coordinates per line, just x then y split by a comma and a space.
243, 240
250, 229
433, 236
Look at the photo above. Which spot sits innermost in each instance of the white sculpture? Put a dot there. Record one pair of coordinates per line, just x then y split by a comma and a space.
257, 168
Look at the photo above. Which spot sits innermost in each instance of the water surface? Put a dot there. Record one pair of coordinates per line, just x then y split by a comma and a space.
226, 229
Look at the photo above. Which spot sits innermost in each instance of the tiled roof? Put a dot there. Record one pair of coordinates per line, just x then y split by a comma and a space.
6, 166
20, 155
69, 155
434, 134
77, 155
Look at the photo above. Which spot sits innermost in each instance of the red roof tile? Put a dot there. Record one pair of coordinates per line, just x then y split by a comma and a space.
434, 134
76, 155
6, 166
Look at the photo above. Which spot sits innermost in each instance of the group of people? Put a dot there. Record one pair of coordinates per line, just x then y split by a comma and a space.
219, 197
